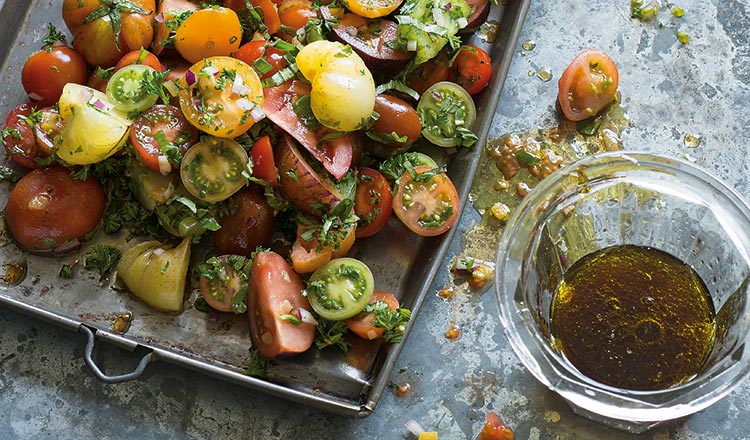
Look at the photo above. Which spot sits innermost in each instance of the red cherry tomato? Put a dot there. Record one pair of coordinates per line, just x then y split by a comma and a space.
428, 206
46, 72
372, 202
140, 57
471, 69
249, 227
48, 210
253, 50
588, 85
175, 131
264, 166
274, 294
429, 73
19, 141
362, 323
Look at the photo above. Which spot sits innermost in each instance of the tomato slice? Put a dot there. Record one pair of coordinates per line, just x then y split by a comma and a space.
213, 169
275, 297
264, 166
372, 202
222, 96
223, 282
335, 154
426, 203
363, 325
18, 137
340, 289
471, 69
161, 135
587, 85
447, 113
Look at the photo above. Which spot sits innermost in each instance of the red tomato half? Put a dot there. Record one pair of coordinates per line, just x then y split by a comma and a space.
275, 293
48, 210
140, 57
427, 205
471, 69
253, 50
372, 203
362, 323
161, 124
588, 85
264, 166
46, 72
19, 140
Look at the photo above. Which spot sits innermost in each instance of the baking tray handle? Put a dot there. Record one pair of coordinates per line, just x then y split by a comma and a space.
88, 358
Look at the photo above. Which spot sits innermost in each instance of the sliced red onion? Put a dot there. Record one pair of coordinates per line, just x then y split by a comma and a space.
436, 95
213, 315
239, 87
159, 18
448, 5
305, 316
190, 78
211, 70
100, 105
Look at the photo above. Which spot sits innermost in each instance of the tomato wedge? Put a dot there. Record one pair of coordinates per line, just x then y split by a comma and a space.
274, 300
334, 154
264, 166
372, 202
587, 85
427, 203
363, 325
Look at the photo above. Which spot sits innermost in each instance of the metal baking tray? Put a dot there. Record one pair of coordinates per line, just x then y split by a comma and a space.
402, 263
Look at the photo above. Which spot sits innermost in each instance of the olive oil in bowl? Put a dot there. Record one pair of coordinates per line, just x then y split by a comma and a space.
633, 317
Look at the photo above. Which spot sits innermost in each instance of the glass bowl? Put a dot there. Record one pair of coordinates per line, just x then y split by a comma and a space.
627, 198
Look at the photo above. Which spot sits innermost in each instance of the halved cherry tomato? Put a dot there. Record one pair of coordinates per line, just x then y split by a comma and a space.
295, 13
222, 96
46, 72
248, 227
209, 32
268, 8
426, 203
264, 166
223, 279
46, 128
495, 429
309, 255
429, 73
398, 125
340, 289
252, 51
471, 69
126, 88
141, 56
159, 129
362, 323
372, 8
18, 139
50, 211
372, 203
587, 85
273, 301
212, 170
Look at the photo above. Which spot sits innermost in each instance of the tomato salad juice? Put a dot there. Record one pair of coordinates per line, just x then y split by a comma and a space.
279, 132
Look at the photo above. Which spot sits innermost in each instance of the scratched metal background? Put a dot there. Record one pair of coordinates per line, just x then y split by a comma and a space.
669, 90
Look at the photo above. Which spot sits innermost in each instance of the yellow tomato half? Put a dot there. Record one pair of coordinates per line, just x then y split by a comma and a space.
214, 31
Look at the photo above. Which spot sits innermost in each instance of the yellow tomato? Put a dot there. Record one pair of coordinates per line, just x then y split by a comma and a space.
343, 91
214, 31
93, 130
372, 8
222, 96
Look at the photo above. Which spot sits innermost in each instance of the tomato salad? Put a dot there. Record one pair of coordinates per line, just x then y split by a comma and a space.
277, 132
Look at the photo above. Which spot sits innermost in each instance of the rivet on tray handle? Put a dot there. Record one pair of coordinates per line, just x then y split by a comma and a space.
88, 353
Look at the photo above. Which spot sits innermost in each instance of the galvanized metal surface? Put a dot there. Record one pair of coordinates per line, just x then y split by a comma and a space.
670, 90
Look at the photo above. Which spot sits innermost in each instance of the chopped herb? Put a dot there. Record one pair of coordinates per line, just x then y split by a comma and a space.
53, 35
102, 259
330, 333
258, 366
527, 159
392, 321
66, 271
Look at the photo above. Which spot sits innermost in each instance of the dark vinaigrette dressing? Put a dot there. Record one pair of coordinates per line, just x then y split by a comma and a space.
633, 317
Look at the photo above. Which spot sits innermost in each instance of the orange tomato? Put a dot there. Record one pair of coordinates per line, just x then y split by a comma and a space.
372, 8
295, 13
362, 323
309, 255
141, 56
214, 31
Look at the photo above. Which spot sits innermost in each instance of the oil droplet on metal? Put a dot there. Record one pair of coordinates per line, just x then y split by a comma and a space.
121, 324
532, 73
545, 74
453, 332
13, 273
692, 140
446, 293
528, 45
